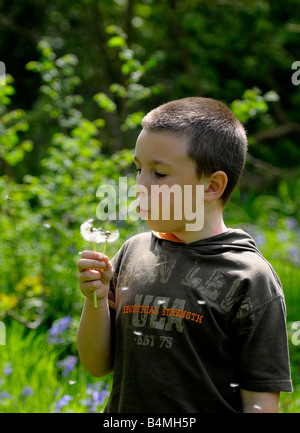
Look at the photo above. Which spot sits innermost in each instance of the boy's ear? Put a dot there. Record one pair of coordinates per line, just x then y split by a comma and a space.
214, 186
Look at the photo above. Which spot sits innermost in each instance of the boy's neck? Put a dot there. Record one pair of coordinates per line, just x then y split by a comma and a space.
213, 226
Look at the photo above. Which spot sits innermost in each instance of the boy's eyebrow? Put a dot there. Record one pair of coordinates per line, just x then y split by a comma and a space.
153, 161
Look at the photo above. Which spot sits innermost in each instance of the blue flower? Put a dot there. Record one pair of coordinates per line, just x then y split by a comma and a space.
7, 369
95, 396
282, 236
4, 394
62, 402
294, 254
259, 239
57, 329
26, 391
291, 223
67, 364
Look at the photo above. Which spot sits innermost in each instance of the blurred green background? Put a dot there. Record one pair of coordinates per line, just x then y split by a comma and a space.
80, 76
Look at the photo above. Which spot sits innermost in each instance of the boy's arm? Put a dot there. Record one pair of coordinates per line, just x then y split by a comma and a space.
259, 402
94, 331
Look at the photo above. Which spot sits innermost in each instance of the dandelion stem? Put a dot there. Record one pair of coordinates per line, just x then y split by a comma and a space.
95, 294
104, 247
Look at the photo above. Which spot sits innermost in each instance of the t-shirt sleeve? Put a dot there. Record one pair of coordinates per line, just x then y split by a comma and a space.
262, 346
116, 262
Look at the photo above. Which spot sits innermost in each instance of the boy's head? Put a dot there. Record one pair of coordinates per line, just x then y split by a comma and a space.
216, 139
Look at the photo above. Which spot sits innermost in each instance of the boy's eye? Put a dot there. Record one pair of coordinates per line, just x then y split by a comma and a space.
160, 175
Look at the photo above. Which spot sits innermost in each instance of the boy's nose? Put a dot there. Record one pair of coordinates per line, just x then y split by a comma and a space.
142, 195
143, 183
141, 190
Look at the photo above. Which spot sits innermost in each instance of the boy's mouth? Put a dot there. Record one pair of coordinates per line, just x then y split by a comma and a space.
142, 212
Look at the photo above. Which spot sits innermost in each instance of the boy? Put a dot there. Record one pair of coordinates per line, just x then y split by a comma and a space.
188, 320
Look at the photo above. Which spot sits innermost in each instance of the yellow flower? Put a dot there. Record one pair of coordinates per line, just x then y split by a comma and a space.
32, 285
7, 302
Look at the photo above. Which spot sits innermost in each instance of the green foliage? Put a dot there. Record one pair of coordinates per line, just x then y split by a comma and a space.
12, 124
79, 134
43, 214
252, 104
60, 82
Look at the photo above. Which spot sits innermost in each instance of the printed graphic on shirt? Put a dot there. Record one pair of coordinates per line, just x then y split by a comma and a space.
158, 314
150, 269
213, 286
191, 279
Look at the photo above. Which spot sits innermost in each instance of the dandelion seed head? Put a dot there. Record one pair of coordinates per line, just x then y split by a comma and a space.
97, 236
111, 236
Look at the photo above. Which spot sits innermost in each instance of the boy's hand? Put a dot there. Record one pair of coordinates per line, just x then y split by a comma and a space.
95, 273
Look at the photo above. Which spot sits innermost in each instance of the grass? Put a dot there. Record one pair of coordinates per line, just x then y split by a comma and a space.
32, 382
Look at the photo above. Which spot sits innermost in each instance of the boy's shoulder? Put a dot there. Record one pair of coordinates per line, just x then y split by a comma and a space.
138, 239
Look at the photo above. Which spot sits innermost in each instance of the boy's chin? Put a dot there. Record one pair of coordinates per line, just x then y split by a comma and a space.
165, 226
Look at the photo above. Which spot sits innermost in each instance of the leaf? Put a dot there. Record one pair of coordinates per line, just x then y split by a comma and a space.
271, 96
116, 41
105, 102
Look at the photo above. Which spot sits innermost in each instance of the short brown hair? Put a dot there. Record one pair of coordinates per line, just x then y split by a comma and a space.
217, 140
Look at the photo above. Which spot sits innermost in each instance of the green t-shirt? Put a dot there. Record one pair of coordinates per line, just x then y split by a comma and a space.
193, 323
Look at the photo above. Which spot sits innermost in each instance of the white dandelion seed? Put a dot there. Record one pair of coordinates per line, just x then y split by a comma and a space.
200, 302
111, 236
138, 333
97, 236
160, 301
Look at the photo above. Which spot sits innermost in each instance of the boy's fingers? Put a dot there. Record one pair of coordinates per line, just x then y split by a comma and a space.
88, 254
84, 264
89, 287
89, 275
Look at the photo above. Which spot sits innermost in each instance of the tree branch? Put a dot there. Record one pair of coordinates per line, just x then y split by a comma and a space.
9, 24
280, 131
258, 163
